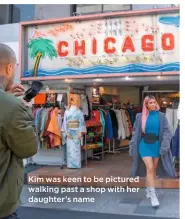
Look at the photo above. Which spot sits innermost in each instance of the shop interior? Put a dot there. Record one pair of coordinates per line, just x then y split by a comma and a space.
103, 147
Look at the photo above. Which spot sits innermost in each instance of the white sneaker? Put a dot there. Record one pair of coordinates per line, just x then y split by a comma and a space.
153, 198
148, 193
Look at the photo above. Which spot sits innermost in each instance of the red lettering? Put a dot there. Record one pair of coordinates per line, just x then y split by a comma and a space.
147, 46
128, 45
79, 48
62, 44
106, 45
94, 46
168, 41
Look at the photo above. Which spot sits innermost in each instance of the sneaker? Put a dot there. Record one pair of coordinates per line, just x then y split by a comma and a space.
154, 200
148, 195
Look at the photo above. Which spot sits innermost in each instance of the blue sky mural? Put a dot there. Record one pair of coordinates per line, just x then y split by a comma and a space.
170, 20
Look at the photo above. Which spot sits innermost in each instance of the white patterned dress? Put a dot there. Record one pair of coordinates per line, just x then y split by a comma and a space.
73, 142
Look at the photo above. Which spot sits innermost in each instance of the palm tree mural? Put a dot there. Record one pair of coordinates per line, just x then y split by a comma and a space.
40, 48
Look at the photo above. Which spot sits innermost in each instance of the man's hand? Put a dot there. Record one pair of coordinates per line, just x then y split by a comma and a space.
17, 90
28, 104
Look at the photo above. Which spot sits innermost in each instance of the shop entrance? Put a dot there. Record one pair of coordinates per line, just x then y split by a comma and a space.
102, 156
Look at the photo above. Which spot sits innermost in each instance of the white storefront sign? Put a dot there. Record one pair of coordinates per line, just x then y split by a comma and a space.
135, 44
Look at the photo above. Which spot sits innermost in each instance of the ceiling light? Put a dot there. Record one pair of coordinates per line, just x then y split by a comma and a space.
98, 79
67, 80
47, 89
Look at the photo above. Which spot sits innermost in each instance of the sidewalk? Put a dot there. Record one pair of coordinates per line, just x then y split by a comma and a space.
114, 203
37, 213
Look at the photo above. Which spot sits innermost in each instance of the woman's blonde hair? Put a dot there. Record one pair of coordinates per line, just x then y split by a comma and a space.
145, 110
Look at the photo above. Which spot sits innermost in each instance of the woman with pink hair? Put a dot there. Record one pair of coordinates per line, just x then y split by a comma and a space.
150, 147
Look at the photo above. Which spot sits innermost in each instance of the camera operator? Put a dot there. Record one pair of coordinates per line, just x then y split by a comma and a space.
18, 137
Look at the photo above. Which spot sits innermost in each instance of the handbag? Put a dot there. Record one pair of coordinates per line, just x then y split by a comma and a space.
150, 138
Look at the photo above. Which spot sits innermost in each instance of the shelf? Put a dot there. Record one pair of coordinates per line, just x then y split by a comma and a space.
91, 146
124, 143
95, 136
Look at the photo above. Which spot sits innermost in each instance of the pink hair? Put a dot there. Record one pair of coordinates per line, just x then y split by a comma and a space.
145, 110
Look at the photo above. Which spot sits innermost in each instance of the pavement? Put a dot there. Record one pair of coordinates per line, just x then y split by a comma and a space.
108, 204
37, 213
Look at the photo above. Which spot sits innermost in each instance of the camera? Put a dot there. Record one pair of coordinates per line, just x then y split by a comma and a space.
33, 91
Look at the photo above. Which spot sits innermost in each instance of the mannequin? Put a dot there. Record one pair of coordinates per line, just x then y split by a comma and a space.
73, 129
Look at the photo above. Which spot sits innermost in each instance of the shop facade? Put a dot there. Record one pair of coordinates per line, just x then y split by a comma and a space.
111, 61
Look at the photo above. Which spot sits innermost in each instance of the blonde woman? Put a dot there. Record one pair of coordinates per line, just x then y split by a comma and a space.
150, 147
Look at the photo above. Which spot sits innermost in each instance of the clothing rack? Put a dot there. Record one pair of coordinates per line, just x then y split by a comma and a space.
109, 151
29, 161
123, 106
117, 150
46, 105
114, 151
98, 106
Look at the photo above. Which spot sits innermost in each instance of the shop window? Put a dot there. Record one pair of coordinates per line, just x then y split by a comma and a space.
22, 12
100, 8
108, 7
89, 9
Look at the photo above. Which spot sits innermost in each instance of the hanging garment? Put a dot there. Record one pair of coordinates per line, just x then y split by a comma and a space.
64, 100
96, 115
137, 109
109, 129
134, 112
34, 113
102, 120
44, 118
84, 105
89, 108
73, 126
121, 129
54, 129
114, 123
131, 116
129, 122
38, 119
92, 123
46, 139
60, 120
40, 98
125, 123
